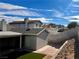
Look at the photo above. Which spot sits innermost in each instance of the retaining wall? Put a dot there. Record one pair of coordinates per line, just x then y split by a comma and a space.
67, 50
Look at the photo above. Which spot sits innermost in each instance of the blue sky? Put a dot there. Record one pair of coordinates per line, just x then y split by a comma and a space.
48, 11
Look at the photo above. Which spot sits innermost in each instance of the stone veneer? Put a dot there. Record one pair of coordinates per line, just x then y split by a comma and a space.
67, 50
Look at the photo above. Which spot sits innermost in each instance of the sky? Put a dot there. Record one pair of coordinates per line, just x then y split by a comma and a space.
48, 11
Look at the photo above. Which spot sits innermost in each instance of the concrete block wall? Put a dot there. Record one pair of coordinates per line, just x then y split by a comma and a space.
62, 36
67, 50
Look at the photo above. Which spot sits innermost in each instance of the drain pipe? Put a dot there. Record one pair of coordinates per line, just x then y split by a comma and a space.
20, 41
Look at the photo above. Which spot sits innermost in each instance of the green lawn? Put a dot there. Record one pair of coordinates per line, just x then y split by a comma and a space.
31, 56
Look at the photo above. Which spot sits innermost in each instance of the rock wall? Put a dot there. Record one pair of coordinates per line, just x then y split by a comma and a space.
67, 50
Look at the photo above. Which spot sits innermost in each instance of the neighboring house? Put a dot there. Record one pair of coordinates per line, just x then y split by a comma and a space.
34, 38
49, 26
9, 41
3, 25
25, 24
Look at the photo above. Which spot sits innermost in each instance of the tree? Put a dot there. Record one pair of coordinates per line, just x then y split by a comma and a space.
72, 25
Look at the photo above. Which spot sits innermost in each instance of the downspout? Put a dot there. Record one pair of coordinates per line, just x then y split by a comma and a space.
20, 41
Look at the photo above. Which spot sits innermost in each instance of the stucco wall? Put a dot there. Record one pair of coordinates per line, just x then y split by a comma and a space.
34, 25
36, 41
30, 42
42, 39
62, 36
67, 50
40, 43
77, 46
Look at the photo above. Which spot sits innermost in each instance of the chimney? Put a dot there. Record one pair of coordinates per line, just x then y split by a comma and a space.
26, 23
4, 25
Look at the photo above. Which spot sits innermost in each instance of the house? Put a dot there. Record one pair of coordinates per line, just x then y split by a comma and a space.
3, 25
25, 24
49, 26
9, 41
34, 38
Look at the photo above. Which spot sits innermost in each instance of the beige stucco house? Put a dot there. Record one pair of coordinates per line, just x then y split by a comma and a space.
25, 24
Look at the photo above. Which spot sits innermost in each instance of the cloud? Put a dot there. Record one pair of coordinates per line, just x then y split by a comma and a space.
57, 13
72, 17
21, 12
49, 10
61, 15
10, 9
44, 20
10, 18
73, 20
73, 8
10, 6
75, 0
17, 10
75, 5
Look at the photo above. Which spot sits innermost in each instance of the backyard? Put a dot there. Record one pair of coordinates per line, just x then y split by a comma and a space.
32, 56
23, 54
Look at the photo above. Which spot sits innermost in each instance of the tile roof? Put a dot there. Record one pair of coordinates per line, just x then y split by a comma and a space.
21, 22
31, 21
16, 22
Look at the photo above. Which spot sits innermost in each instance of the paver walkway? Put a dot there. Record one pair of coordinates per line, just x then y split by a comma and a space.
47, 50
